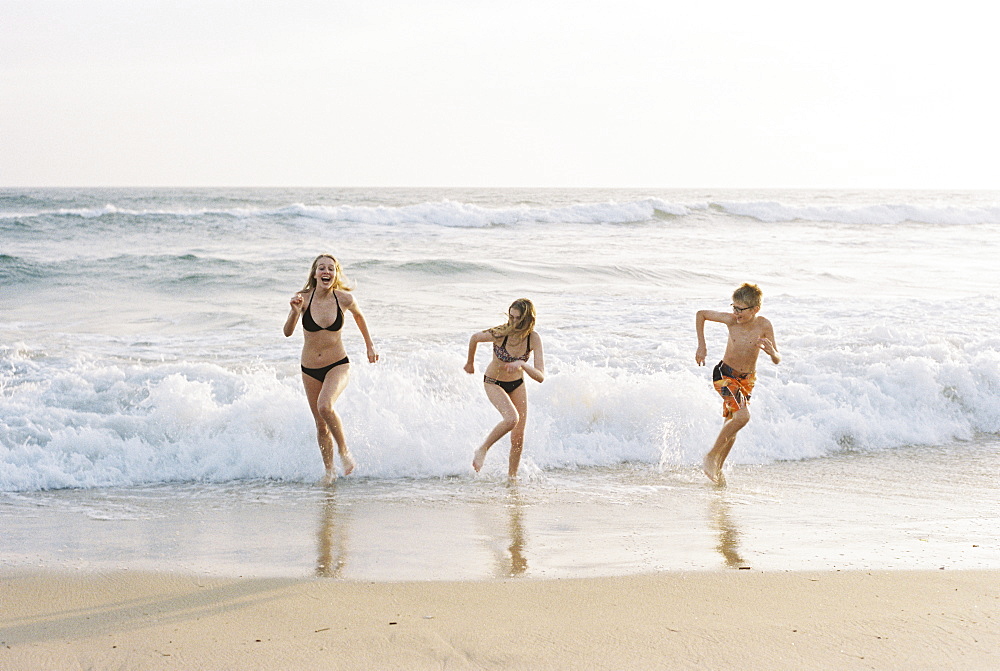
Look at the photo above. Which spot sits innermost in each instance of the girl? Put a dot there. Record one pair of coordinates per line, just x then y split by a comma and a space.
513, 344
325, 366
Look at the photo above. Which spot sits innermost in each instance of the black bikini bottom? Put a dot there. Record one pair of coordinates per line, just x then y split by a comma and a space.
507, 385
320, 373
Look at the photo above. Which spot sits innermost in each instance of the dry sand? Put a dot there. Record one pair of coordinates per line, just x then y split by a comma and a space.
678, 620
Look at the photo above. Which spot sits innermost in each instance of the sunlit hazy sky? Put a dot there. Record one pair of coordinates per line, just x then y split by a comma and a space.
474, 93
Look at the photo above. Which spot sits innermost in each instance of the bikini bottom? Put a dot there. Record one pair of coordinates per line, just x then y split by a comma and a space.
507, 385
320, 373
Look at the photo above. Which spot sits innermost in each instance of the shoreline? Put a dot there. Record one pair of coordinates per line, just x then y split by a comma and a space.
928, 508
685, 619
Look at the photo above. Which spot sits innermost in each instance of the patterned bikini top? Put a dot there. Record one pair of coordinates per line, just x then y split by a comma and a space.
500, 351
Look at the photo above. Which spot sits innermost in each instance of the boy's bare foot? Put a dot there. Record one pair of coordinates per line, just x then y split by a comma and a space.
328, 478
478, 458
347, 459
712, 470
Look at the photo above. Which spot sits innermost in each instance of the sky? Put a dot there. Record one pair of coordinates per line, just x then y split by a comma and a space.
769, 94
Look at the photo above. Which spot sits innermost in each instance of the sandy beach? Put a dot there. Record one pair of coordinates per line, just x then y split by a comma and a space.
678, 620
837, 563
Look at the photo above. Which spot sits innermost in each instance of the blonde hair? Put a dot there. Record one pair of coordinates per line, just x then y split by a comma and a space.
750, 294
339, 280
523, 326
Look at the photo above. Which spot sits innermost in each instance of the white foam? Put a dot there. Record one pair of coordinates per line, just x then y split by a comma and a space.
90, 424
882, 214
450, 213
454, 214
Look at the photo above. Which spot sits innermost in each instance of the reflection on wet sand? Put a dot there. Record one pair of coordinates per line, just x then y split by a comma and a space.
515, 509
729, 536
331, 539
507, 535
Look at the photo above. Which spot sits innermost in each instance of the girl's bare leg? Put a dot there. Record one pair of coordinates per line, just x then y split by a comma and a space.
329, 428
501, 401
323, 436
520, 400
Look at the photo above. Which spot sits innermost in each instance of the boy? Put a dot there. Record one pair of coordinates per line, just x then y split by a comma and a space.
734, 376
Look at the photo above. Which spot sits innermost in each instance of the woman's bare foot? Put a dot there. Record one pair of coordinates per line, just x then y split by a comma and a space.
347, 460
328, 478
478, 458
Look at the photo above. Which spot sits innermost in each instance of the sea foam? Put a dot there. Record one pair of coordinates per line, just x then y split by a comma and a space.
453, 214
90, 424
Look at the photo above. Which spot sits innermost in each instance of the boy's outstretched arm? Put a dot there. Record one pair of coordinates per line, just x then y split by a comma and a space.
699, 326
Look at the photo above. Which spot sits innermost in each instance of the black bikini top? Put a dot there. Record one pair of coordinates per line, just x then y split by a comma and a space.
310, 325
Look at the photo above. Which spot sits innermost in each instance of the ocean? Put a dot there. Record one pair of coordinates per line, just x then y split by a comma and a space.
144, 375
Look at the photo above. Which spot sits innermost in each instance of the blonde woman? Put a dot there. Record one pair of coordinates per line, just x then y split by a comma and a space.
513, 344
325, 367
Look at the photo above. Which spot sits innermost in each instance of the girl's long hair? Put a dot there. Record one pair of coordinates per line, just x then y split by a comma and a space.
523, 326
339, 280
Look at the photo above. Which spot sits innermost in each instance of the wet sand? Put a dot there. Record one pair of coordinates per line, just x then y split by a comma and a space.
917, 509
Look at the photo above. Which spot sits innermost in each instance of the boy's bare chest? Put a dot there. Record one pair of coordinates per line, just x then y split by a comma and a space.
744, 338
